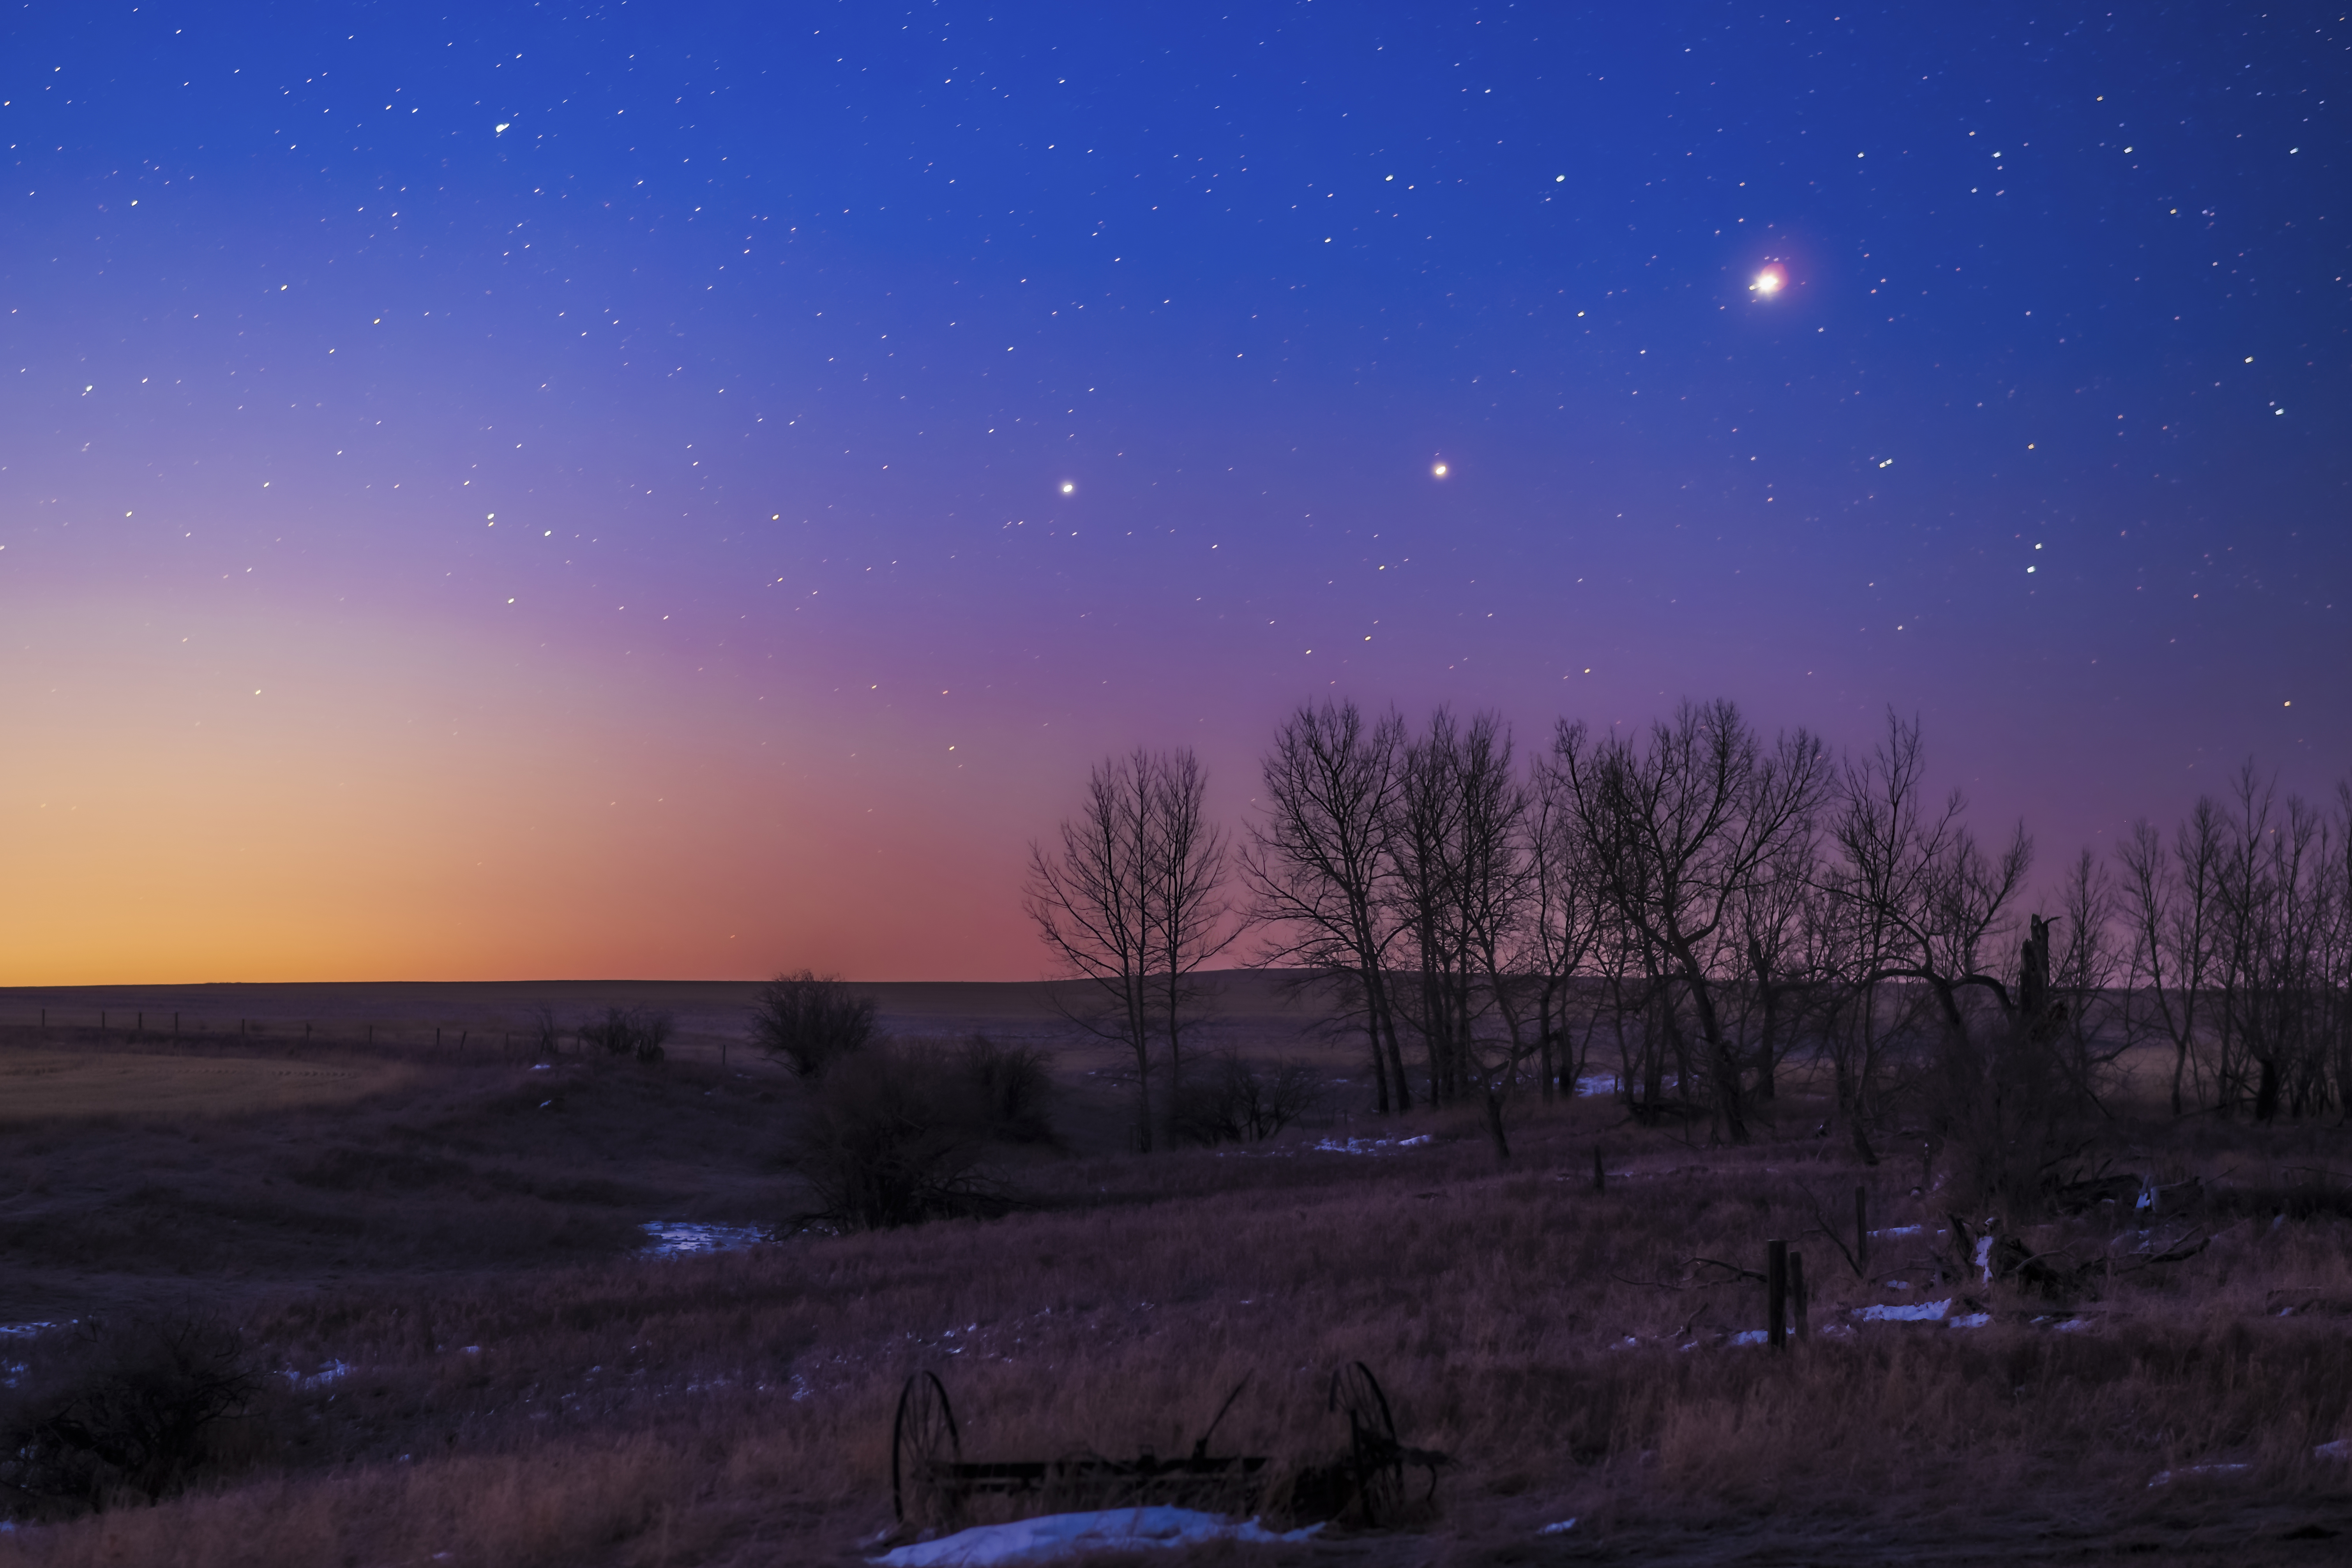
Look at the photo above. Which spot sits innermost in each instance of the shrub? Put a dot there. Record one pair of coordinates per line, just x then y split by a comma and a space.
1229, 1100
1010, 1090
545, 1034
630, 1031
810, 1021
890, 1141
127, 1406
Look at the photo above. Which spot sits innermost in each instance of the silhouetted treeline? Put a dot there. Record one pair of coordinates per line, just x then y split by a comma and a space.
1682, 912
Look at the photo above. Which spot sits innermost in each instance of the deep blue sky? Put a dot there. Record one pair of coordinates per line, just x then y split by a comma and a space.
772, 334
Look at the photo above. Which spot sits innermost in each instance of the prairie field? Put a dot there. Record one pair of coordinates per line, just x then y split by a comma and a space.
49, 1086
436, 1265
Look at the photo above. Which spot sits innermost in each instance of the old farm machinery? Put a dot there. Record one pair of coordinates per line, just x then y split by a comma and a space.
932, 1484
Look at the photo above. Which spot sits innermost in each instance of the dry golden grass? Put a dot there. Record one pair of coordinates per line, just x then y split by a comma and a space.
513, 1408
44, 1086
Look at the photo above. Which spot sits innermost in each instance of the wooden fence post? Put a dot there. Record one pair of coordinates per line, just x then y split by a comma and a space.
1599, 1176
1776, 1294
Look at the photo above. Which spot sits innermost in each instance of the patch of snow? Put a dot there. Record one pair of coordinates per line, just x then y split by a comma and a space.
1919, 1312
1984, 1256
1563, 1528
1900, 1230
332, 1372
677, 1239
26, 1330
2164, 1477
2074, 1325
1971, 1320
2339, 1449
1609, 1083
1057, 1535
1368, 1145
1749, 1337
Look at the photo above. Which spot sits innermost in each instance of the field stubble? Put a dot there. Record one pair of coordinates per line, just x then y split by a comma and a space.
465, 1360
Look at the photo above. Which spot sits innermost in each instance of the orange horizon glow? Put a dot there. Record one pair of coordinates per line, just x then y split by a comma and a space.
309, 797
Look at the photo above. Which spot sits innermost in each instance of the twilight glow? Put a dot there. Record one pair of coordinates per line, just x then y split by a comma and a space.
638, 490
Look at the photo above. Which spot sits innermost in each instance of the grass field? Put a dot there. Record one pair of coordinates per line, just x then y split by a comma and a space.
45, 1086
470, 1360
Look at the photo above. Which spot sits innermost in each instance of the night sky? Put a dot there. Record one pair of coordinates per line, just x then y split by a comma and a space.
677, 491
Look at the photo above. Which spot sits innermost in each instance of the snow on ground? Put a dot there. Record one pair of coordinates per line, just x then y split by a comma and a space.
677, 1239
334, 1371
1918, 1312
1370, 1145
1057, 1535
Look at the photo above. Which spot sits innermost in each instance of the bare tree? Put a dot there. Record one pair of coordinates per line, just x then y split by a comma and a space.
1318, 865
1492, 879
1091, 902
2092, 1029
810, 1021
1565, 922
1185, 903
1132, 900
2172, 908
1679, 830
2278, 907
1456, 840
1924, 905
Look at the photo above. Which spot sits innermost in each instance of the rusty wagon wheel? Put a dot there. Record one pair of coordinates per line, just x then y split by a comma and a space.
924, 1449
1372, 1449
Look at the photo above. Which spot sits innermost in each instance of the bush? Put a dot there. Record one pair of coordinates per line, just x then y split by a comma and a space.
630, 1031
126, 1406
1009, 1089
810, 1021
545, 1034
1228, 1100
891, 1140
